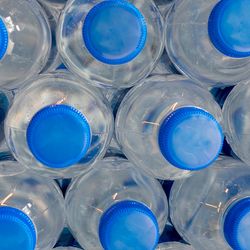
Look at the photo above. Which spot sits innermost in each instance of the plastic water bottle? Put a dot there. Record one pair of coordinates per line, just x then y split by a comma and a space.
236, 120
127, 208
169, 126
31, 209
59, 126
54, 59
111, 43
174, 246
25, 41
211, 208
209, 41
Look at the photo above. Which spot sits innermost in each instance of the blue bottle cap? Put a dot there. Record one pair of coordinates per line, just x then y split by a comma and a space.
128, 224
4, 39
114, 31
16, 230
237, 225
58, 136
190, 138
229, 27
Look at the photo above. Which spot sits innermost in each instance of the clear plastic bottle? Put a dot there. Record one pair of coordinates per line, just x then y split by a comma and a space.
59, 126
111, 43
209, 41
236, 116
127, 208
25, 41
210, 209
54, 59
31, 209
174, 246
169, 126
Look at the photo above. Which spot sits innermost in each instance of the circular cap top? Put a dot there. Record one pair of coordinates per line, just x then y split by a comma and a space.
190, 138
3, 39
128, 224
58, 136
114, 31
229, 27
16, 230
237, 225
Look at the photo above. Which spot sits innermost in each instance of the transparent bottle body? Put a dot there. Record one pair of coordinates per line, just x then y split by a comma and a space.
117, 180
198, 204
37, 197
190, 49
142, 111
174, 246
79, 61
59, 88
236, 119
28, 45
54, 59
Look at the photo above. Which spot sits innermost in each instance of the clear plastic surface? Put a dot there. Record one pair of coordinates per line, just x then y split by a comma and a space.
54, 59
194, 53
57, 108
39, 198
237, 120
118, 180
200, 205
143, 113
78, 58
29, 41
174, 246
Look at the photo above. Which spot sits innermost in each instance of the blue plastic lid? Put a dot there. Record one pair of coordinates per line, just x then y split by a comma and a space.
114, 31
16, 230
237, 225
190, 138
128, 224
229, 27
58, 136
4, 39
